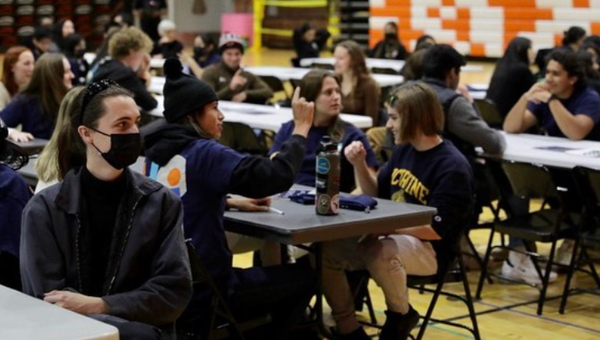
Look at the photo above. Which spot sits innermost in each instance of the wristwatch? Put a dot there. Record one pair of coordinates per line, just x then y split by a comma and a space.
552, 97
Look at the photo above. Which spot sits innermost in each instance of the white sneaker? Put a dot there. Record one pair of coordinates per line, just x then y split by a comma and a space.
519, 267
565, 252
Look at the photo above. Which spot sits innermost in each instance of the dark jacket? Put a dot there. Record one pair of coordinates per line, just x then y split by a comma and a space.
149, 277
126, 77
208, 171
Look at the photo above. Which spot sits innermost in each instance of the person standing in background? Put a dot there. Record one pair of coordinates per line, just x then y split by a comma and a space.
150, 12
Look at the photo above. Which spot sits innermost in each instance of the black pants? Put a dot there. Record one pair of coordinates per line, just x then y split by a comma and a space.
132, 330
283, 292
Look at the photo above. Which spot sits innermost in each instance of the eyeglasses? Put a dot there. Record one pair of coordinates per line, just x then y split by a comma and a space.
92, 90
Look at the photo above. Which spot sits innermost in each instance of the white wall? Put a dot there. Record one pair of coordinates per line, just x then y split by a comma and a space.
180, 11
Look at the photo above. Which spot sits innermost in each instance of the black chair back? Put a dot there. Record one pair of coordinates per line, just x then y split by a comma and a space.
489, 112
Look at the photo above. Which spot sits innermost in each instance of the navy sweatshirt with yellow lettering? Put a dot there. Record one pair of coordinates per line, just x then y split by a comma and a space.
439, 177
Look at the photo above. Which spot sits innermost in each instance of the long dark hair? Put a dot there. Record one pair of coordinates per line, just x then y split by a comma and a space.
71, 148
572, 35
310, 88
10, 153
516, 53
47, 83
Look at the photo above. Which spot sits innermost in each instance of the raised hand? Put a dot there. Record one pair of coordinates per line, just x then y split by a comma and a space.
237, 81
303, 113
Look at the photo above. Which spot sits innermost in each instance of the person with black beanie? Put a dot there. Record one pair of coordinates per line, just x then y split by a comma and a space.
185, 156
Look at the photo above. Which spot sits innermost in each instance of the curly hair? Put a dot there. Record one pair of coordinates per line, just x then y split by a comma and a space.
127, 40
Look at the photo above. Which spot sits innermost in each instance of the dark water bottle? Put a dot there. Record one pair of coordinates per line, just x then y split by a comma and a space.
327, 199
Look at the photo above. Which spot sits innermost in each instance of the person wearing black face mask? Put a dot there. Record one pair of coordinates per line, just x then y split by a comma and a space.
205, 50
74, 50
390, 47
107, 242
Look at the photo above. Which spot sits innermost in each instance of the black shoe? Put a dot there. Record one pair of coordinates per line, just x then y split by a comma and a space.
358, 334
398, 326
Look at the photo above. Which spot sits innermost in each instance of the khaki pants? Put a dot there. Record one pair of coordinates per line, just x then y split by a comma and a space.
389, 260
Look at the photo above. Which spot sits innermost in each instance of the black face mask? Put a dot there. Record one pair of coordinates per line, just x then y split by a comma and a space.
199, 52
391, 36
124, 149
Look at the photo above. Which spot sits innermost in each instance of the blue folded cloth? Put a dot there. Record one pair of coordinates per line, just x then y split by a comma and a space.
351, 202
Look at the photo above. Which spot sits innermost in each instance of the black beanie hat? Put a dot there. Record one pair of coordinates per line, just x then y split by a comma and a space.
184, 94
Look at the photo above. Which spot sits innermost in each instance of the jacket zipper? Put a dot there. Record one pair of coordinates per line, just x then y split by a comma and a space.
77, 252
129, 225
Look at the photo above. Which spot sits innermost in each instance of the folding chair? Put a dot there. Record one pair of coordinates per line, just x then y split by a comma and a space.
222, 323
588, 186
545, 225
452, 271
322, 66
384, 70
489, 112
243, 138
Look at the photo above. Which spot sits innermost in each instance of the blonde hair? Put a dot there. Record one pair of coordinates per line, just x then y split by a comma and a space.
127, 40
165, 26
47, 165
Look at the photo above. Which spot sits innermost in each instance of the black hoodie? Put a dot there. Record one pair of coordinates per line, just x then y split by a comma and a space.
127, 78
255, 176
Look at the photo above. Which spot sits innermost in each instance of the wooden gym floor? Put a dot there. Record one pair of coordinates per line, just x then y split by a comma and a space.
498, 320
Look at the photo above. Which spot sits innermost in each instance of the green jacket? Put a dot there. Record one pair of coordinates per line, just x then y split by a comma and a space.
218, 76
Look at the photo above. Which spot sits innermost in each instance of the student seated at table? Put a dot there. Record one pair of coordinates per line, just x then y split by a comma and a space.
308, 42
464, 126
228, 78
206, 51
17, 69
589, 69
562, 104
424, 41
360, 92
424, 169
46, 166
74, 47
129, 65
107, 240
390, 47
36, 107
512, 76
63, 28
14, 194
323, 88
41, 42
167, 46
184, 155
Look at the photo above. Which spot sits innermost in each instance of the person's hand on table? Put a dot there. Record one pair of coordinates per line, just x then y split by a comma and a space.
76, 302
240, 97
19, 136
249, 204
